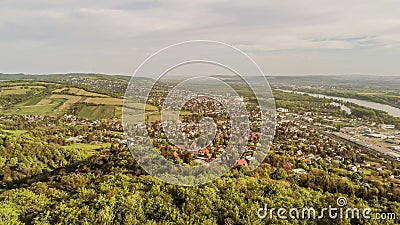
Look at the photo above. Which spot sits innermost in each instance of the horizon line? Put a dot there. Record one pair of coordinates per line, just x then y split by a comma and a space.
117, 74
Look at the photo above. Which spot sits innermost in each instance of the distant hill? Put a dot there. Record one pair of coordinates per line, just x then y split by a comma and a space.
55, 77
379, 82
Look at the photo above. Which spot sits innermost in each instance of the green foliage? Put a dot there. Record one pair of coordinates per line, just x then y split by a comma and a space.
101, 192
279, 174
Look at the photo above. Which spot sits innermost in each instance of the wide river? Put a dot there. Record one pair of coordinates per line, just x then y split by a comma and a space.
373, 105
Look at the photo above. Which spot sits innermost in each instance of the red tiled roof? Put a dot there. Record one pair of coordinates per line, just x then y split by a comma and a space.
307, 160
288, 165
242, 162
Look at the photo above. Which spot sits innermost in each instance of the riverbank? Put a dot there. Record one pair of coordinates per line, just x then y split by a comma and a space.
390, 98
393, 111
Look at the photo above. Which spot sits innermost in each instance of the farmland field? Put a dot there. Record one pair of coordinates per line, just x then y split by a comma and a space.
18, 90
141, 105
61, 99
32, 101
55, 99
10, 91
98, 112
40, 110
59, 90
105, 101
44, 105
71, 99
78, 91
118, 112
45, 101
32, 107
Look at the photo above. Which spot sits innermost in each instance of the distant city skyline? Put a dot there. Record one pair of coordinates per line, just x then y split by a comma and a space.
283, 37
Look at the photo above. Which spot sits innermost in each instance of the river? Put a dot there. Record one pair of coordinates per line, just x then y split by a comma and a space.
373, 105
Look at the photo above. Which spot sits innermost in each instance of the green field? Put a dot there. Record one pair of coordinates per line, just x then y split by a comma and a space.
32, 101
61, 99
87, 148
119, 102
141, 105
12, 91
78, 91
70, 100
105, 101
56, 104
17, 90
36, 110
98, 112
31, 107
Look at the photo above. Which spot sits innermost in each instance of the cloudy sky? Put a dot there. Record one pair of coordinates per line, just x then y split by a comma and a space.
283, 37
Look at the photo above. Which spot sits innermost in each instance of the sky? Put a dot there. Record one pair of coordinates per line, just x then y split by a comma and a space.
305, 37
